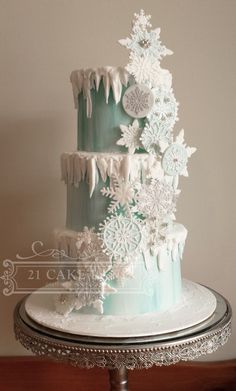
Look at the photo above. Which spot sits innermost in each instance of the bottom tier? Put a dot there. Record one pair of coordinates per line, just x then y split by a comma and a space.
151, 284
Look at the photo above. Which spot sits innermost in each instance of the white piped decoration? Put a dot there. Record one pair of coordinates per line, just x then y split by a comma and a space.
131, 136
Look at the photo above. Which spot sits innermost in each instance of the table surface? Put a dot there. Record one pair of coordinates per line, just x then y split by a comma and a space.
131, 353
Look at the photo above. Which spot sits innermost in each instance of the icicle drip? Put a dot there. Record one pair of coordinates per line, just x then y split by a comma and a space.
78, 166
174, 246
113, 78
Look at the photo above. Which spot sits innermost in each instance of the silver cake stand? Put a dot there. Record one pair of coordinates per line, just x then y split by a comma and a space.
120, 355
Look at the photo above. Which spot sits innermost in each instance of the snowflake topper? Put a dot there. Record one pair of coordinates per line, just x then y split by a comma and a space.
144, 45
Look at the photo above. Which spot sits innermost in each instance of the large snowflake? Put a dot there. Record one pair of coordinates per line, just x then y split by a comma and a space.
121, 192
91, 257
144, 41
85, 290
165, 107
131, 136
156, 199
122, 237
154, 135
175, 157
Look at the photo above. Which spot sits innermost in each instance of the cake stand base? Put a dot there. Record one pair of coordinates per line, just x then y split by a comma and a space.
118, 379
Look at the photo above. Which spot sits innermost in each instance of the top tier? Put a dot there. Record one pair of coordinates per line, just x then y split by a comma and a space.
98, 95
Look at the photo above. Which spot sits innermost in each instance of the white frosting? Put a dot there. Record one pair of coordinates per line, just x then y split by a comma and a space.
79, 166
83, 80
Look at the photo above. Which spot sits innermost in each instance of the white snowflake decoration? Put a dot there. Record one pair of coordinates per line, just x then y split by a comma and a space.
156, 235
121, 193
154, 136
176, 156
165, 107
91, 257
122, 237
143, 41
156, 199
138, 100
131, 136
144, 69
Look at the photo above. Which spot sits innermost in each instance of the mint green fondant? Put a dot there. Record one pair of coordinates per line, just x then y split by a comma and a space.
85, 211
150, 290
101, 132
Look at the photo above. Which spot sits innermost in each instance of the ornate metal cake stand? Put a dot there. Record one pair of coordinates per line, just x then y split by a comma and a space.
120, 355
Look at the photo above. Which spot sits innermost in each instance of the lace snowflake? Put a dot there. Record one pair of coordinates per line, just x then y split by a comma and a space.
121, 237
121, 193
176, 156
91, 257
156, 199
138, 101
143, 41
154, 136
165, 107
131, 136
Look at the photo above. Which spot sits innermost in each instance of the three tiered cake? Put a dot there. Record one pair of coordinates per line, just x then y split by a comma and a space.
122, 186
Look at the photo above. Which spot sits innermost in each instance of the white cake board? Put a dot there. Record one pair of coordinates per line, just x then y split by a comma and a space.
196, 305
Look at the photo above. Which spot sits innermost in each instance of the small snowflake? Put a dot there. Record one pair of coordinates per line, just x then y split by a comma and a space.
156, 199
91, 257
121, 271
131, 136
121, 192
156, 235
84, 238
141, 21
121, 236
138, 100
65, 303
176, 156
165, 107
154, 135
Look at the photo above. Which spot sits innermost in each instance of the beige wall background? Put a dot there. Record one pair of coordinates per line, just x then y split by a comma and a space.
41, 42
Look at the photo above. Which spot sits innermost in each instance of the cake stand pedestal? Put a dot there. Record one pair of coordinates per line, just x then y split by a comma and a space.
122, 354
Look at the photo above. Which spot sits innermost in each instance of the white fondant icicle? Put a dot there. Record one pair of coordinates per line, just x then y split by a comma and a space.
79, 166
84, 80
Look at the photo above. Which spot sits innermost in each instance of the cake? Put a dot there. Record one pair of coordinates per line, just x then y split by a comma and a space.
122, 186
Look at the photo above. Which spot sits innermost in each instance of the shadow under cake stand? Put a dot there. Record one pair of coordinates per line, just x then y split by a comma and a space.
122, 354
